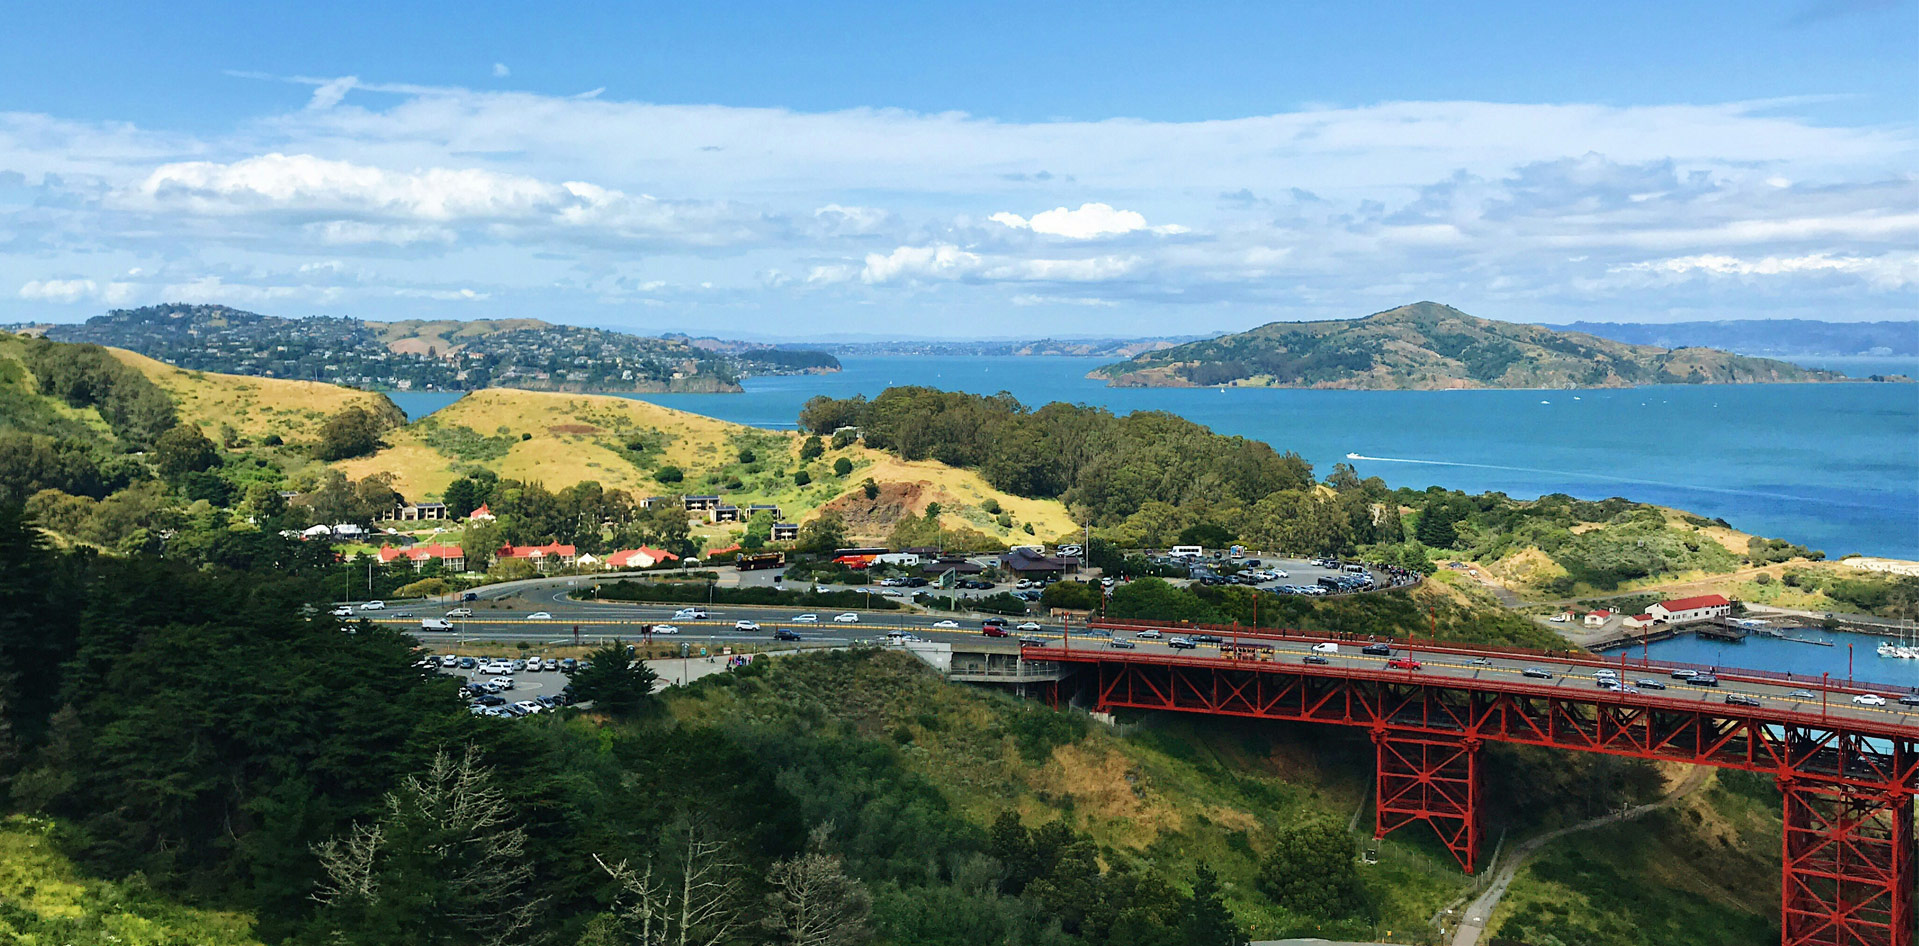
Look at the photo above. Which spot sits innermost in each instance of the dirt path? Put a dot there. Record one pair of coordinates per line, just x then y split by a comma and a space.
1473, 924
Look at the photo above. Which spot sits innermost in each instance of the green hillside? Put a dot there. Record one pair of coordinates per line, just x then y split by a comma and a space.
1428, 346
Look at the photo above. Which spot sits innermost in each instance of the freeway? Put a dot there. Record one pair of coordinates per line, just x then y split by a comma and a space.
1572, 676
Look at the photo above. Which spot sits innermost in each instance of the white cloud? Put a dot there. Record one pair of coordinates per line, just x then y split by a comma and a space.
329, 94
443, 295
500, 71
1891, 271
946, 262
1090, 221
59, 290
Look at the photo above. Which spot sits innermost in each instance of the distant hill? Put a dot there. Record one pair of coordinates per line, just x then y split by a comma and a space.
446, 355
1428, 346
1080, 347
1766, 336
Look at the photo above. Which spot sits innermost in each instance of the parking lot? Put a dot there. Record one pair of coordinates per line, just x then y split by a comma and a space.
525, 685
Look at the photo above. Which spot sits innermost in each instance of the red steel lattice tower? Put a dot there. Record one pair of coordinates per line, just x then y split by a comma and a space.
1430, 779
1848, 877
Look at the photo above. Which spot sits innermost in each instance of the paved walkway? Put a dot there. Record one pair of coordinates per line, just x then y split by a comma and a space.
1473, 925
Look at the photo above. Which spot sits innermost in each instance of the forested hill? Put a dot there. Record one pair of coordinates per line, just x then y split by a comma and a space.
444, 355
1428, 346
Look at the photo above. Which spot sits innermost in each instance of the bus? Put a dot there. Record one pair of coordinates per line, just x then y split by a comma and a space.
1188, 551
1243, 651
748, 561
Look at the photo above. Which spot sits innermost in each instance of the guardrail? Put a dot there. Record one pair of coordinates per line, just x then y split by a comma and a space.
1571, 656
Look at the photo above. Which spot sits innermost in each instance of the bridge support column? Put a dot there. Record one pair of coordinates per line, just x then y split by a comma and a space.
1431, 779
1849, 868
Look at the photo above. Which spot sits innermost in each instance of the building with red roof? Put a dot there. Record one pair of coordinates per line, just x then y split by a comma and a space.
544, 557
1598, 618
642, 557
1695, 608
481, 513
452, 557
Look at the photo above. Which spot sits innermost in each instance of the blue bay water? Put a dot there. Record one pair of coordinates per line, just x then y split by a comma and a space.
1831, 466
1854, 654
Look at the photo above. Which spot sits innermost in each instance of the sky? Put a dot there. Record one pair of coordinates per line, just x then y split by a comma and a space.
789, 171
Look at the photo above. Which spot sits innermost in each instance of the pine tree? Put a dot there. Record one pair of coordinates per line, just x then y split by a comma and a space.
814, 902
1207, 921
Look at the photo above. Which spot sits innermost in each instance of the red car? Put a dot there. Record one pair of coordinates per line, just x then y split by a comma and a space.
993, 630
1402, 663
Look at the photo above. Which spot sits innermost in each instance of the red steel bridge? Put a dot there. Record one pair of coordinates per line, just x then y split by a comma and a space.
1848, 769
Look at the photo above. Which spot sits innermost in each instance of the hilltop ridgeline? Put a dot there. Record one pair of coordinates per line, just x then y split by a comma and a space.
1428, 346
445, 355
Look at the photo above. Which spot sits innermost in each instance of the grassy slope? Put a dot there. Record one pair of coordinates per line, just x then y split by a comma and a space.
1171, 791
579, 437
44, 901
255, 407
1704, 872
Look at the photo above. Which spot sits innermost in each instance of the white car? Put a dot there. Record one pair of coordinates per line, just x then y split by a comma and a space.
460, 613
889, 593
847, 618
530, 707
448, 660
690, 614
373, 606
343, 611
1326, 647
539, 616
806, 619
1150, 635
1279, 573
744, 625
1869, 699
1028, 626
665, 629
946, 625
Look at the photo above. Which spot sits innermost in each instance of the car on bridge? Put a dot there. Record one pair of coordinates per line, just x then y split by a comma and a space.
1402, 663
1326, 647
994, 630
1148, 634
1180, 643
1649, 684
1208, 639
1869, 699
1537, 673
1316, 659
1805, 695
1121, 644
1705, 680
1734, 699
1684, 674
1377, 650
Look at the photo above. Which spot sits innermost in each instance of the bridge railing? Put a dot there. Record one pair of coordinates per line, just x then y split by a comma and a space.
1571, 655
1703, 703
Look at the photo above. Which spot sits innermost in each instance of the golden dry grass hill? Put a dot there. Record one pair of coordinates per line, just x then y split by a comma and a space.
254, 407
559, 439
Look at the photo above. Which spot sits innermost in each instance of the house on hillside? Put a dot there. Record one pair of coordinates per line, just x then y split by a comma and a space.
757, 508
415, 512
1696, 608
1598, 618
451, 557
652, 501
724, 512
482, 513
544, 557
785, 532
699, 503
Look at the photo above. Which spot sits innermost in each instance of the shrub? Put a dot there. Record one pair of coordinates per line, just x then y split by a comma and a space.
669, 474
802, 478
842, 467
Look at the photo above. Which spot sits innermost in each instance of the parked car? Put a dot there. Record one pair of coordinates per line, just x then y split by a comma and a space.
489, 699
550, 663
1402, 663
568, 665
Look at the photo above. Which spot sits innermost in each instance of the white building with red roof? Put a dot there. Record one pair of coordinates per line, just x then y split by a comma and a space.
1598, 618
544, 557
482, 513
452, 557
1696, 608
642, 557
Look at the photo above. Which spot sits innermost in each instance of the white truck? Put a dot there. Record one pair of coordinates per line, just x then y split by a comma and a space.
435, 624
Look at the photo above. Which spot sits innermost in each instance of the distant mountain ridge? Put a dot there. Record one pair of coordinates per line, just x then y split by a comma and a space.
1077, 347
1766, 336
444, 354
1429, 346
